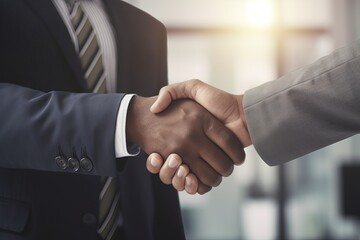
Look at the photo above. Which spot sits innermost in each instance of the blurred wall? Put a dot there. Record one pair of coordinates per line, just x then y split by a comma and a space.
231, 44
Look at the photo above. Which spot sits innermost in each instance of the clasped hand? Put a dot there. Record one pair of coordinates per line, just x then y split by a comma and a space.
206, 146
200, 131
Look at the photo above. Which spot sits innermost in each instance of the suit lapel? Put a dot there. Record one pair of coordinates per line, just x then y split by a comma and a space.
141, 63
51, 18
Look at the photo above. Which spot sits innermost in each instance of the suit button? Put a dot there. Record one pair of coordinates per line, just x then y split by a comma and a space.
61, 162
74, 164
89, 219
86, 164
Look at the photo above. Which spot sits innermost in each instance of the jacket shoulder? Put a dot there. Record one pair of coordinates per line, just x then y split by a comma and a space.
138, 16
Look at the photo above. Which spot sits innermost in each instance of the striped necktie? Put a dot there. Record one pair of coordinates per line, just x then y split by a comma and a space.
89, 51
91, 61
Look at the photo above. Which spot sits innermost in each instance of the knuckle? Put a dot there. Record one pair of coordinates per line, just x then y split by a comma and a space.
195, 81
196, 114
212, 126
164, 89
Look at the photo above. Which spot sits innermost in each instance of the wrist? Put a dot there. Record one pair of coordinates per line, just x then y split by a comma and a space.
138, 117
239, 99
132, 123
246, 139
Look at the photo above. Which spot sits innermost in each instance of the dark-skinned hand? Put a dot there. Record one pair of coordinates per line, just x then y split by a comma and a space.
186, 128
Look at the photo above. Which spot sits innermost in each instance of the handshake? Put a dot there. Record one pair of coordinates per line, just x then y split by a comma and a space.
194, 133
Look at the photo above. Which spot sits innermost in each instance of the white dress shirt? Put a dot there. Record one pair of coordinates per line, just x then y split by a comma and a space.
100, 22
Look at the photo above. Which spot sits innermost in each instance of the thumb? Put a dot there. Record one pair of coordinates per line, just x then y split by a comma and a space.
162, 102
173, 92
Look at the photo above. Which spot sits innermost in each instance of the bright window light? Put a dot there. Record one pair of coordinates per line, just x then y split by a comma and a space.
259, 13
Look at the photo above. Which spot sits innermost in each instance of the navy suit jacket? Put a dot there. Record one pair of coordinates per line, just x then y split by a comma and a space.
46, 112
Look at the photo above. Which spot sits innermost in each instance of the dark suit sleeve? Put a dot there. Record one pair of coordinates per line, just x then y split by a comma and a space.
37, 127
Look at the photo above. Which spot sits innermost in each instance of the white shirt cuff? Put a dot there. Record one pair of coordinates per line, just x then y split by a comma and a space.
122, 148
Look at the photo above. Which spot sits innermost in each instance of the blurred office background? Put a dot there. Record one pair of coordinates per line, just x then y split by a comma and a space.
238, 44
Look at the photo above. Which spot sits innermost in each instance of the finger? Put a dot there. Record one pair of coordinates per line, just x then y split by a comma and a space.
191, 184
217, 159
175, 91
154, 163
162, 102
204, 172
226, 140
170, 167
202, 188
178, 180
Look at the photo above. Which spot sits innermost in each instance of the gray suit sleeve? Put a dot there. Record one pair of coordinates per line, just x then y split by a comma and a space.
307, 109
37, 127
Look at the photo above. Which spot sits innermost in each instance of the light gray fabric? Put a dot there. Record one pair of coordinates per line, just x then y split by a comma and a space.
307, 109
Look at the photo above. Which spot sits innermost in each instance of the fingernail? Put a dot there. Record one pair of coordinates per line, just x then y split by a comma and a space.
173, 163
188, 181
181, 172
154, 162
